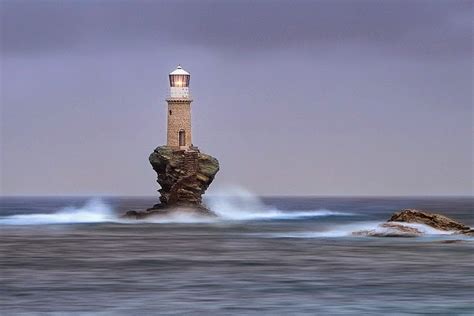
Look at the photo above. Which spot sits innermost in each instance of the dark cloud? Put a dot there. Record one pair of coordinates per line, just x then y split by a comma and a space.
426, 27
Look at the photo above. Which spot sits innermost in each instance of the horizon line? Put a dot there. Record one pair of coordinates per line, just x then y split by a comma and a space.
259, 195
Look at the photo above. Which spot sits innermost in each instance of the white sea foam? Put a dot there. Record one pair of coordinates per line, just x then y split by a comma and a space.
235, 203
347, 230
231, 204
93, 211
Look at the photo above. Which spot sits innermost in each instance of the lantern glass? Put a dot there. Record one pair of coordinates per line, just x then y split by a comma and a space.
179, 80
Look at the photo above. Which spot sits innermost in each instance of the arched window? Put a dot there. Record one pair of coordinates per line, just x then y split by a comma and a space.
182, 138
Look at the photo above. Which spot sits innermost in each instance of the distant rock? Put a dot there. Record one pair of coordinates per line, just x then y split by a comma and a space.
184, 176
394, 227
436, 221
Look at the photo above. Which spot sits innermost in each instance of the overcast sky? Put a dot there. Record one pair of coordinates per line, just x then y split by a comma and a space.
292, 97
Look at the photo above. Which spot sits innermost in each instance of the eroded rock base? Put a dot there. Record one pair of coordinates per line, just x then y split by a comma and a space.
184, 176
165, 211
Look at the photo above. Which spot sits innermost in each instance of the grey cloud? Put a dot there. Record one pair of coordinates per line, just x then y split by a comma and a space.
419, 27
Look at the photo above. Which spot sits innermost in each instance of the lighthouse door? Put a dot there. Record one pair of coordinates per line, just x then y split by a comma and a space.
182, 138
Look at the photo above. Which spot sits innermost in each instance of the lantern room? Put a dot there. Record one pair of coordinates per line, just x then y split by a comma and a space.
179, 83
179, 77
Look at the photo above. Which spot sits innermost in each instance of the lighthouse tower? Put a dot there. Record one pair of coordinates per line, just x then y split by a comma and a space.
179, 110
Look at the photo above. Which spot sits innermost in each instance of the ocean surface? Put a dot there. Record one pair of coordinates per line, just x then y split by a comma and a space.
266, 256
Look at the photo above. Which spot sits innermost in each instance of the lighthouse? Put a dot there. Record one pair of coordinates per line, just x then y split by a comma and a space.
184, 172
179, 133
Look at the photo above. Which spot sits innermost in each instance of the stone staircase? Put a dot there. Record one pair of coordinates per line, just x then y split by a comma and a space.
189, 165
190, 162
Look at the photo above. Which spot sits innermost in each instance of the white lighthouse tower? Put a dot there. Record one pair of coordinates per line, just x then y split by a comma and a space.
179, 133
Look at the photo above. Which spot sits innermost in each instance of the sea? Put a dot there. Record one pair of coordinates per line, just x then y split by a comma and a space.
260, 256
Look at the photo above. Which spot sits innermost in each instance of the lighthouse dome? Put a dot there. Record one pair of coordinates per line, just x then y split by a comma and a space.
179, 71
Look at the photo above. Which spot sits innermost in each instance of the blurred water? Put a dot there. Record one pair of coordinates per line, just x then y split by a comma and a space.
275, 256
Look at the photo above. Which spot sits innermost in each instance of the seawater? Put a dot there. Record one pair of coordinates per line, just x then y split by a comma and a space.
270, 256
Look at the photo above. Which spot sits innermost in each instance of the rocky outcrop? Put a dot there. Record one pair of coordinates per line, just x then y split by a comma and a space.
436, 221
397, 226
184, 176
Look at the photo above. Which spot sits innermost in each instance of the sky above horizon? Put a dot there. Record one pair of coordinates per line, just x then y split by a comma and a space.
292, 97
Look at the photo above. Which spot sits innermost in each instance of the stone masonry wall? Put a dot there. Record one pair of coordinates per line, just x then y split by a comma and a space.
179, 118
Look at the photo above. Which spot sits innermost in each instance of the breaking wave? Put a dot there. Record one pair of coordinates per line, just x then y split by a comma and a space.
93, 211
232, 204
238, 204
